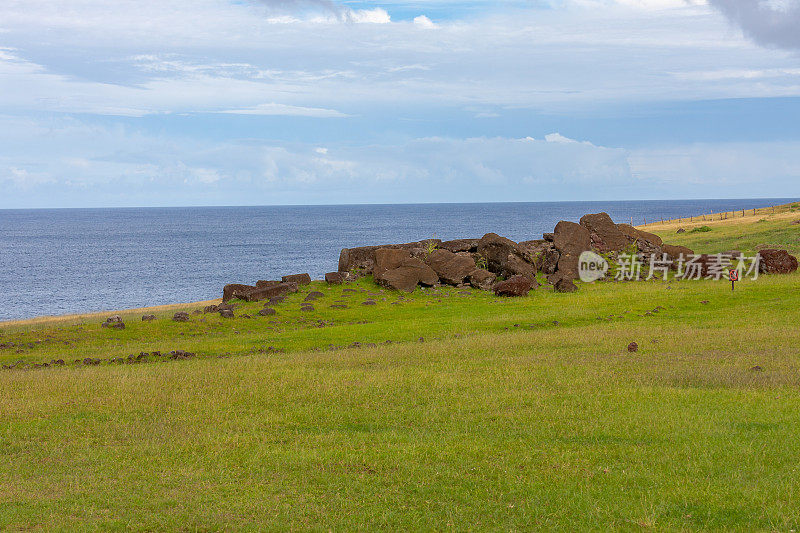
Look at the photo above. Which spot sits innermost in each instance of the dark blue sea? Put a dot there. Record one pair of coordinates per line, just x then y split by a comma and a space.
61, 261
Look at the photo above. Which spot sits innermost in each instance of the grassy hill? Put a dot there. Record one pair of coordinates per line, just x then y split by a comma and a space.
469, 412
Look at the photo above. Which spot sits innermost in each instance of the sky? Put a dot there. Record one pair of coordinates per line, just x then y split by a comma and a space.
110, 103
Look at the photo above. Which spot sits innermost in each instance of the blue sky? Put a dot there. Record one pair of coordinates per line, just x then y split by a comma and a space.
256, 102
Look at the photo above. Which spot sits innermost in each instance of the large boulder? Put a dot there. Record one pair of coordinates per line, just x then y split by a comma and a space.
460, 245
405, 277
300, 279
776, 262
260, 284
605, 235
570, 239
451, 268
235, 290
361, 261
646, 242
388, 259
482, 279
514, 286
505, 257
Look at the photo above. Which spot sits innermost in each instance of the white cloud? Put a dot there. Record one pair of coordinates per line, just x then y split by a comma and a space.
424, 22
370, 16
282, 109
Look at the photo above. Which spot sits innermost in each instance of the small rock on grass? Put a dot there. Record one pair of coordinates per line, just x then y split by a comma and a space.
148, 318
633, 347
267, 311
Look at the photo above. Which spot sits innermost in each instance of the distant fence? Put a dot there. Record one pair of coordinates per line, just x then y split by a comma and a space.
717, 216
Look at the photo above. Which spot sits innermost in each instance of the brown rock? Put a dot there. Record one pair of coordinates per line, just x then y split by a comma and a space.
313, 295
647, 243
335, 278
565, 285
515, 286
460, 245
570, 239
451, 268
300, 279
235, 290
605, 235
776, 262
633, 347
408, 275
226, 313
180, 316
361, 261
267, 293
482, 279
148, 318
267, 311
388, 259
263, 284
505, 257
674, 252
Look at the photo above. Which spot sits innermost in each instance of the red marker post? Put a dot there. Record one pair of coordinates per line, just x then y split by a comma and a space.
733, 275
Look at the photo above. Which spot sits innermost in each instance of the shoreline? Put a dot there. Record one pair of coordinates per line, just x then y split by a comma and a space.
79, 317
784, 212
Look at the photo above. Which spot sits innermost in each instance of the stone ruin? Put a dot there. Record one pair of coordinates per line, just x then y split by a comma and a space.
491, 262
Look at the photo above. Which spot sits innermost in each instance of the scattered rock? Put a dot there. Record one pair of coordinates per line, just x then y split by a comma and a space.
226, 313
313, 295
338, 306
633, 347
565, 285
681, 230
148, 318
267, 311
756, 369
113, 322
180, 316
307, 307
197, 312
776, 262
369, 302
515, 286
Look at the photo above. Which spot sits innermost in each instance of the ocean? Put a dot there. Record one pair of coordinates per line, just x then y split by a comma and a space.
61, 261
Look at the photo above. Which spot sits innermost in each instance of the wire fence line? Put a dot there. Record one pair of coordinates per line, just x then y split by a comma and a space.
725, 215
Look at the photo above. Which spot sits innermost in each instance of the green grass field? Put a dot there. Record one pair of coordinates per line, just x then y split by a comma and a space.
510, 414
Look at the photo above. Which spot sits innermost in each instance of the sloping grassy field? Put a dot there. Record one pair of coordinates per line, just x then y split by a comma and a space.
506, 415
